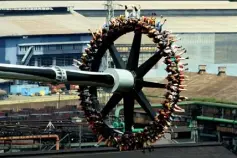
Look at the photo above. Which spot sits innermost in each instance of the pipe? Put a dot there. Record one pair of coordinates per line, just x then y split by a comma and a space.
18, 143
205, 118
34, 137
119, 108
206, 104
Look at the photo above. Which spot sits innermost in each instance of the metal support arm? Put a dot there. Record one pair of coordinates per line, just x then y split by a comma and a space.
112, 79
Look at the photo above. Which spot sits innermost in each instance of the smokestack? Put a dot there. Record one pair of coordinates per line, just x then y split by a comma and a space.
221, 71
202, 69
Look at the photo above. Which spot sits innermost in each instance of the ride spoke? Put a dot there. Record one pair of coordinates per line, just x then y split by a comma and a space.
128, 112
101, 51
147, 66
96, 62
135, 51
153, 84
142, 100
119, 63
113, 101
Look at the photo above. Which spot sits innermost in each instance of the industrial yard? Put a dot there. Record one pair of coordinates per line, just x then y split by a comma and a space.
69, 89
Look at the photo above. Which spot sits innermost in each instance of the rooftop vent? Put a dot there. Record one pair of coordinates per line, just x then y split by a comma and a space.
221, 71
202, 69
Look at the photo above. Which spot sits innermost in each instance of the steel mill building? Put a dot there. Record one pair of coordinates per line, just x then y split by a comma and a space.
56, 34
42, 36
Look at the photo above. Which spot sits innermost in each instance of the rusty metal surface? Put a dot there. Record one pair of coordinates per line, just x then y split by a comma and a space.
206, 85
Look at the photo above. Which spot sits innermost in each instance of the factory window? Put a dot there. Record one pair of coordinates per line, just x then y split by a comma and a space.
59, 47
32, 62
37, 48
46, 61
21, 49
52, 47
77, 46
59, 61
119, 49
124, 49
148, 49
64, 60
24, 48
68, 61
46, 47
152, 49
67, 47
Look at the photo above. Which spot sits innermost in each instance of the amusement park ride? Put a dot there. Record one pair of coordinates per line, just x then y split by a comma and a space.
125, 81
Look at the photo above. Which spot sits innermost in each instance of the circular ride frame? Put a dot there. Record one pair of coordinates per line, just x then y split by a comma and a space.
103, 40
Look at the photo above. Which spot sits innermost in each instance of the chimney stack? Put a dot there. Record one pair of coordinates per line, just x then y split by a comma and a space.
202, 69
221, 71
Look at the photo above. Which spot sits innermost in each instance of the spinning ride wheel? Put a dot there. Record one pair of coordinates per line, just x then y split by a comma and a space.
102, 41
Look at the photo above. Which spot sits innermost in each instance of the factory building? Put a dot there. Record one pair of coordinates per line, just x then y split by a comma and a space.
207, 30
42, 36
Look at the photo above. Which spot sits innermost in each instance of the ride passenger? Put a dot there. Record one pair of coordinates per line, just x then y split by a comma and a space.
138, 12
126, 12
133, 14
159, 24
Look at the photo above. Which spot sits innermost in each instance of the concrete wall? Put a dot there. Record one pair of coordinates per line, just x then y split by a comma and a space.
8, 46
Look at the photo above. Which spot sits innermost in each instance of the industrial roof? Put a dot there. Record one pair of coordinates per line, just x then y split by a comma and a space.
69, 23
90, 5
76, 23
184, 25
53, 43
193, 24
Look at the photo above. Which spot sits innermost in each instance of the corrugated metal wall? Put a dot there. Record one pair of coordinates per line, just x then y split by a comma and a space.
211, 49
200, 48
225, 48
